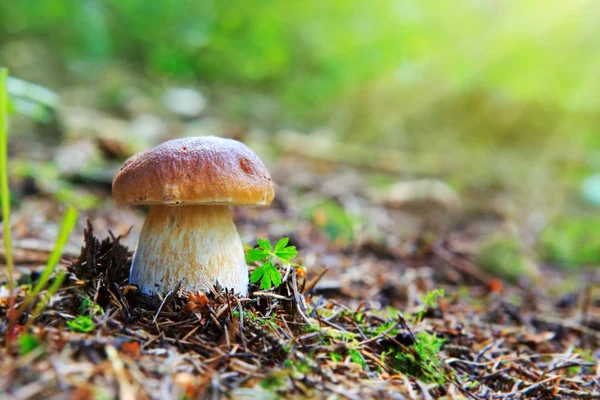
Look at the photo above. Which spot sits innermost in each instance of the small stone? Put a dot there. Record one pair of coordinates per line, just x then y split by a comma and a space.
417, 191
148, 128
186, 102
77, 156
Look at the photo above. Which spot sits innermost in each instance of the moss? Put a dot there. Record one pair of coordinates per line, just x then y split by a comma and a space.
422, 361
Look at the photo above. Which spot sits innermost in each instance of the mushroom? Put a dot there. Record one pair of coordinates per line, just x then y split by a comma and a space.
189, 235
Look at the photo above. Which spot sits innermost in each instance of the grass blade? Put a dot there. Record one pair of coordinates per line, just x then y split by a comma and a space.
68, 223
5, 194
46, 298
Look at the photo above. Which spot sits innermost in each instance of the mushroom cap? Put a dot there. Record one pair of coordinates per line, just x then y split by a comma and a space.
194, 170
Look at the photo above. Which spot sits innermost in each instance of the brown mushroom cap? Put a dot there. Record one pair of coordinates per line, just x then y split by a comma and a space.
194, 170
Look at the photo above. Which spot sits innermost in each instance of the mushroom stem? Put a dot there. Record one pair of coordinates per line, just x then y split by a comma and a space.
195, 244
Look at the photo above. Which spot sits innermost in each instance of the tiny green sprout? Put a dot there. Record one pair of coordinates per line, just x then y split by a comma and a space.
335, 357
430, 300
89, 307
358, 358
27, 343
268, 274
387, 327
472, 385
82, 324
586, 356
273, 382
424, 363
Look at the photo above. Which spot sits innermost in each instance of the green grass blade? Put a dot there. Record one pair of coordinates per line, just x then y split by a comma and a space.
68, 223
5, 194
47, 296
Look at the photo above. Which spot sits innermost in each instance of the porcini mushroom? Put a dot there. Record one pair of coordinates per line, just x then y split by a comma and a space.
189, 235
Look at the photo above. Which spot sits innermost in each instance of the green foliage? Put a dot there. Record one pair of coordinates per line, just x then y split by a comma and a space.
300, 367
68, 223
4, 189
48, 178
88, 307
572, 242
273, 382
430, 300
333, 220
587, 357
358, 358
269, 322
52, 289
31, 100
384, 327
268, 275
378, 74
82, 324
422, 360
27, 343
503, 257
279, 381
337, 334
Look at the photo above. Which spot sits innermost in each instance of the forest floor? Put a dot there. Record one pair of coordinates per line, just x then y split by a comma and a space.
391, 301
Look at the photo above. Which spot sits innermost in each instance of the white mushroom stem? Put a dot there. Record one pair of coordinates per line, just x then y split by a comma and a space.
195, 244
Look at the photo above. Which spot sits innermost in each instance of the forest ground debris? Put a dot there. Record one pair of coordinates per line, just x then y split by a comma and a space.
219, 343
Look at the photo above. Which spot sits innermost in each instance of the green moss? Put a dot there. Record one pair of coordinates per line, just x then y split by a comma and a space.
430, 300
273, 382
423, 362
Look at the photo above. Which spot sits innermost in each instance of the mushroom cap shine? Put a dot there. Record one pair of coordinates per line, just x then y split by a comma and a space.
194, 170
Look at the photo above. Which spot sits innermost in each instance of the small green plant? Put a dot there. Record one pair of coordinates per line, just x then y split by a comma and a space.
27, 343
278, 381
274, 382
358, 358
68, 223
430, 300
82, 324
4, 191
88, 307
587, 357
269, 322
422, 359
268, 274
52, 289
387, 327
302, 367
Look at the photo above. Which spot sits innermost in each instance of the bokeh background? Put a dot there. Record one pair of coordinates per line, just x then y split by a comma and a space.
458, 113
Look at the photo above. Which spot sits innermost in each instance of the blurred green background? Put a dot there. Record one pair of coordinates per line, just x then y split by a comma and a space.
496, 96
502, 72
